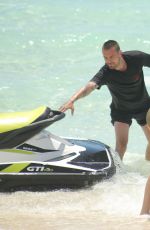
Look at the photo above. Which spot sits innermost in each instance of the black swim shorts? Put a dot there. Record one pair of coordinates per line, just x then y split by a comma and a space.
125, 117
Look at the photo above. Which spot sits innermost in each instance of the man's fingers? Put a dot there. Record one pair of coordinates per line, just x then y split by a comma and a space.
72, 111
67, 106
62, 109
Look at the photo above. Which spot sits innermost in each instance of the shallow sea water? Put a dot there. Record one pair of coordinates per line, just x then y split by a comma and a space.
48, 50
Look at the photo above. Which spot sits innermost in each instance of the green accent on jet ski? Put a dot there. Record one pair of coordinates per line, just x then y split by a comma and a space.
17, 151
15, 120
15, 168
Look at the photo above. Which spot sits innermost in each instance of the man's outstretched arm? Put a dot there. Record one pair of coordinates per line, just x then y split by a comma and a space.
84, 91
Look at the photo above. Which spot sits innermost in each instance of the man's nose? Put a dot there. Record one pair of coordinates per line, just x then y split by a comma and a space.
108, 61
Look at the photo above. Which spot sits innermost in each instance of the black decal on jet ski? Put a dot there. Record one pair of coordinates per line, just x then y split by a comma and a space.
33, 148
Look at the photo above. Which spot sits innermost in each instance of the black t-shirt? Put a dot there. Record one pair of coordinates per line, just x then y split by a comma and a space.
127, 88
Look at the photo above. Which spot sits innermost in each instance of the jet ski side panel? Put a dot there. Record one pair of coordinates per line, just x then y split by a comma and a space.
45, 181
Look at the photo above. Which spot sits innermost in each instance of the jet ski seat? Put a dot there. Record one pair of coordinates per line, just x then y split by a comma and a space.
17, 127
14, 120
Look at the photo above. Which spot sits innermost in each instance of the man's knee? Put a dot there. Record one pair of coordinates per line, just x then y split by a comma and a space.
121, 145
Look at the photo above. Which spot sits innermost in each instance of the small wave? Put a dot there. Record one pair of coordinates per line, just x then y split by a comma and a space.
4, 87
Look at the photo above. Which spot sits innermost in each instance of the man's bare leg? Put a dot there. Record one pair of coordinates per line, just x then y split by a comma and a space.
146, 130
121, 131
146, 201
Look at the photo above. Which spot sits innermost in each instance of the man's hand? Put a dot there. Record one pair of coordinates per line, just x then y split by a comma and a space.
84, 91
66, 106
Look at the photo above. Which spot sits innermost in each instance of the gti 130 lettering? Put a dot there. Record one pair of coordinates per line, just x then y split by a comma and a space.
39, 169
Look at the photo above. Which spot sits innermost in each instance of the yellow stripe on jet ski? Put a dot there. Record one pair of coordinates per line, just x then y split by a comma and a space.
15, 168
18, 151
15, 120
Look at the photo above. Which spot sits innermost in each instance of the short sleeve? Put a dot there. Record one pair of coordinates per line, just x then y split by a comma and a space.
100, 77
145, 59
142, 58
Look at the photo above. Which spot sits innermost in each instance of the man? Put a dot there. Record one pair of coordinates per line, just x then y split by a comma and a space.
123, 75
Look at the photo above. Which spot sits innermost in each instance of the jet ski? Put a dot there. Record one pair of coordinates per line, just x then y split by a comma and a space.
32, 158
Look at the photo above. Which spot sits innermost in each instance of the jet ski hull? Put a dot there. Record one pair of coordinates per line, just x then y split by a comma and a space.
35, 159
46, 181
85, 163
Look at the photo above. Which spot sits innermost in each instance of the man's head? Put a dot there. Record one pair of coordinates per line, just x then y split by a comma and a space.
112, 54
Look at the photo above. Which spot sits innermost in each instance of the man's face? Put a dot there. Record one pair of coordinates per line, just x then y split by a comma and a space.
112, 57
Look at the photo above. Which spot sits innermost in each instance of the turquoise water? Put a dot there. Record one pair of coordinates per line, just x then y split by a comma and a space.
48, 50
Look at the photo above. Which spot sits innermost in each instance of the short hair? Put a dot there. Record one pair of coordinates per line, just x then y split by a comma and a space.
109, 44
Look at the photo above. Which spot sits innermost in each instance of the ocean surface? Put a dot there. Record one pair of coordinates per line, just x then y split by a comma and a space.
48, 50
